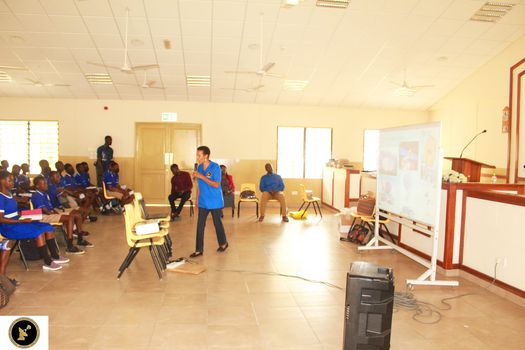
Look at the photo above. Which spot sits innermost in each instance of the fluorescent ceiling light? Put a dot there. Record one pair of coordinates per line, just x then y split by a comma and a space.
492, 11
5, 78
198, 80
295, 85
341, 4
99, 78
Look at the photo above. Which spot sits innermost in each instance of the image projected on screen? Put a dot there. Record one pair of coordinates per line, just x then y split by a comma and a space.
408, 177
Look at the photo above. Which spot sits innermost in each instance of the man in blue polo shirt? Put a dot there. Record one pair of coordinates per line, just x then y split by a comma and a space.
104, 158
210, 200
272, 187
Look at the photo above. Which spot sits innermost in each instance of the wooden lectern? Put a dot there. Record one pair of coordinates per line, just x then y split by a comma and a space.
468, 167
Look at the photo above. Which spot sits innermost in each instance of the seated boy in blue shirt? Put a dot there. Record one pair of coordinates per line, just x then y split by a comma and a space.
272, 187
19, 187
42, 200
113, 187
82, 177
64, 198
86, 197
45, 169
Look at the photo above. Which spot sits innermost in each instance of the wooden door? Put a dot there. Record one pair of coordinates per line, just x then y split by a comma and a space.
151, 163
158, 145
184, 142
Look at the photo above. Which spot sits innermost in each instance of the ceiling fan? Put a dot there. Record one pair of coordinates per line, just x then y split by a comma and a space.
405, 89
14, 68
253, 89
126, 67
147, 84
264, 69
41, 84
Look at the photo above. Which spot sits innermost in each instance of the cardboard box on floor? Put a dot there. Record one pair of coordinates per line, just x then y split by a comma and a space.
189, 268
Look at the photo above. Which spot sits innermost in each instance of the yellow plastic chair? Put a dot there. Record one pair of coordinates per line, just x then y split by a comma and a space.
139, 213
135, 242
248, 187
314, 201
105, 193
370, 221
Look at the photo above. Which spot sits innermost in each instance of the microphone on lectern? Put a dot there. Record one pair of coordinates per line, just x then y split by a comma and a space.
464, 148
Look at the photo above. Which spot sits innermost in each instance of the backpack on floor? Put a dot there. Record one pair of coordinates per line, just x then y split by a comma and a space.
6, 289
363, 235
29, 249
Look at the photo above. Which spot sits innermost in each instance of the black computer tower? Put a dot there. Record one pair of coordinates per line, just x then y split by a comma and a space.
368, 307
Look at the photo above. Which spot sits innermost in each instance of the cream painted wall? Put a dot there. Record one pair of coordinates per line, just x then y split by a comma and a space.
233, 131
477, 104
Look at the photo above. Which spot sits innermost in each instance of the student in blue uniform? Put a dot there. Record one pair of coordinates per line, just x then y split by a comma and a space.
19, 187
21, 180
63, 199
4, 165
52, 189
45, 169
82, 177
59, 167
14, 229
70, 220
210, 200
113, 188
75, 192
15, 171
68, 180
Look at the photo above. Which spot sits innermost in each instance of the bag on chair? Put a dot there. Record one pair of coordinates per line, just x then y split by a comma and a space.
365, 206
248, 194
29, 249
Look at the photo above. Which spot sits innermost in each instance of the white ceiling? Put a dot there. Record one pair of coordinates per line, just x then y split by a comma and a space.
348, 56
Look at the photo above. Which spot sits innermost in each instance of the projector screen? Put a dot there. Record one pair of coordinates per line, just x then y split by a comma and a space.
409, 171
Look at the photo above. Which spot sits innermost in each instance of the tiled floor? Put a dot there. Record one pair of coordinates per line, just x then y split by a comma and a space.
89, 308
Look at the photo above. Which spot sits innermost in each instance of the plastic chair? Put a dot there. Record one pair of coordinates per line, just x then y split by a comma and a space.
370, 221
16, 246
110, 199
139, 212
105, 193
309, 201
191, 205
154, 242
248, 187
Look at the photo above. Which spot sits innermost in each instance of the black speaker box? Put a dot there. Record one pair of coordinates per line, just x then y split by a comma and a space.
368, 307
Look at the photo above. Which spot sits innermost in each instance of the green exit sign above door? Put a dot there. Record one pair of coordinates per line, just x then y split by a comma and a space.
168, 116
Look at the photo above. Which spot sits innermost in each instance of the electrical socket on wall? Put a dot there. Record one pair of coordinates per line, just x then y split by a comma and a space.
295, 193
502, 262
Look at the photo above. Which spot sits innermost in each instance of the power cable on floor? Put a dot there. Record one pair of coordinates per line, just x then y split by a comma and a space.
402, 300
422, 309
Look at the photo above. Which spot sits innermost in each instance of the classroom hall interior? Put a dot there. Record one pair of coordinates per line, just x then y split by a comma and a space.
372, 190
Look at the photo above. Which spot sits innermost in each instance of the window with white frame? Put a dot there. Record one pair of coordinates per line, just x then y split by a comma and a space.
303, 152
24, 141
